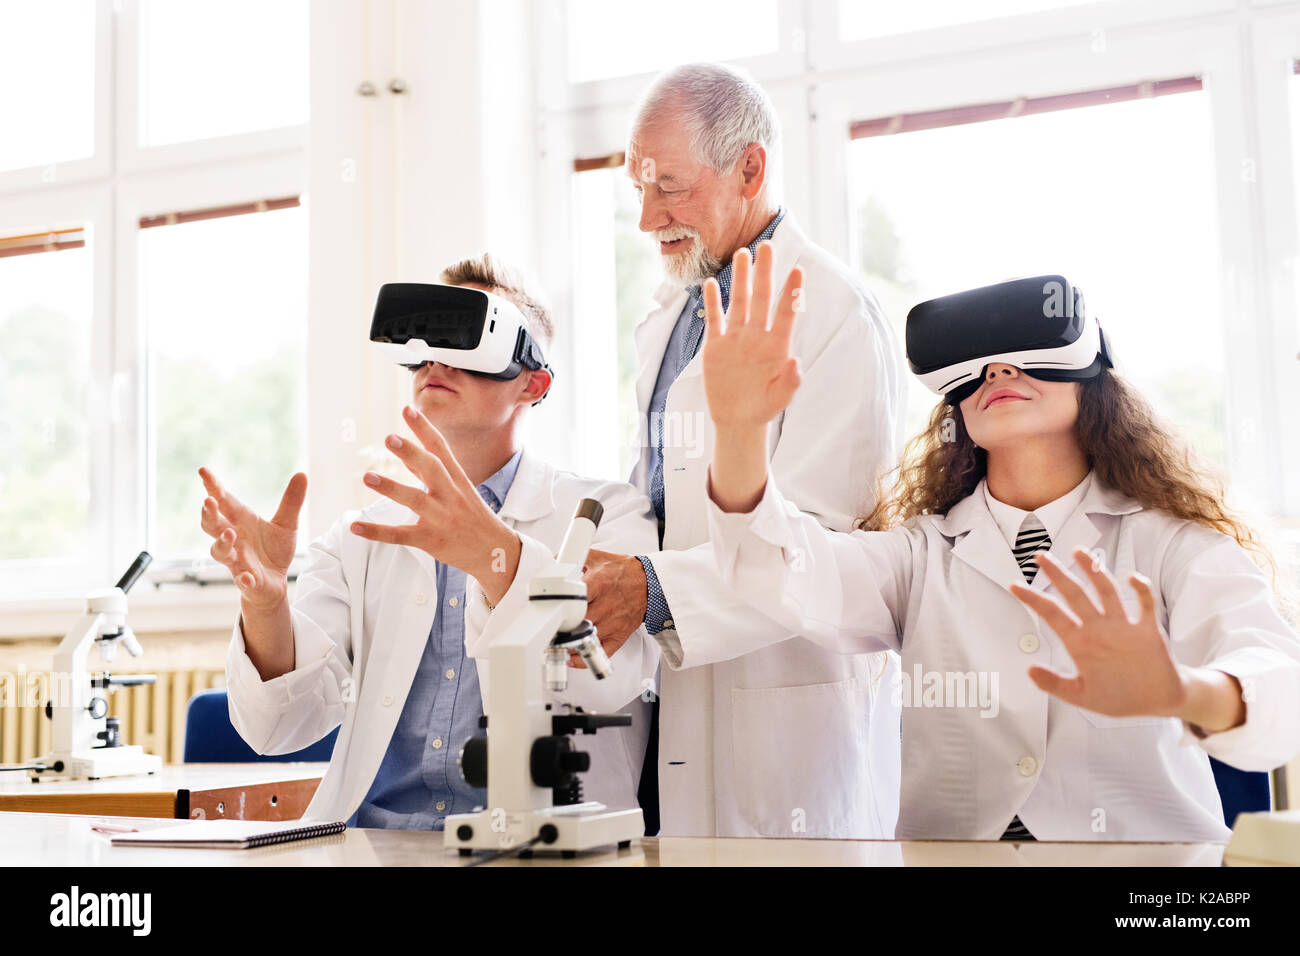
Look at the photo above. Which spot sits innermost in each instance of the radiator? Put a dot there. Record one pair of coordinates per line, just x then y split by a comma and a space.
153, 715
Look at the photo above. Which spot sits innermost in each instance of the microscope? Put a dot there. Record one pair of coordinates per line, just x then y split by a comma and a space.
87, 743
527, 761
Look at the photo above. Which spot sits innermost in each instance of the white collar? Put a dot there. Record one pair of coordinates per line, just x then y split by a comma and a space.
1053, 515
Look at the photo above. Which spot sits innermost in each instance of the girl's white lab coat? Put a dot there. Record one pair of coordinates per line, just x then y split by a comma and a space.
937, 590
791, 739
361, 618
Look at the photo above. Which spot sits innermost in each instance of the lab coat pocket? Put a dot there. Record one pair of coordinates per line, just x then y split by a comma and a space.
1105, 721
801, 757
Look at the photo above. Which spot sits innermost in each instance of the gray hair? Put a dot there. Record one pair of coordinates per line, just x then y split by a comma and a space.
722, 111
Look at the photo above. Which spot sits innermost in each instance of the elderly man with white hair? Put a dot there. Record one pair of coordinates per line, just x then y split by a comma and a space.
754, 738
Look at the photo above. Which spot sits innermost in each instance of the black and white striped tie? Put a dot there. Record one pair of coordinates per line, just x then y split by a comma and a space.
1031, 539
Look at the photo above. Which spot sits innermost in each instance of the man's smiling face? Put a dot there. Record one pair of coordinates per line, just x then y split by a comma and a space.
696, 214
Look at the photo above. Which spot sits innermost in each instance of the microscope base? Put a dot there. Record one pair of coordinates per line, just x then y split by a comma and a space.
583, 826
93, 764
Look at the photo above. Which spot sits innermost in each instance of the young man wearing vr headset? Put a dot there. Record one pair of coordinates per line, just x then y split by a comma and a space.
1042, 482
381, 638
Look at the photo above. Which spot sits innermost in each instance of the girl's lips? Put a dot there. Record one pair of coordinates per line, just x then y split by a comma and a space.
1005, 398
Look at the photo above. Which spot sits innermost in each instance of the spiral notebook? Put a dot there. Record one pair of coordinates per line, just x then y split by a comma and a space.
229, 834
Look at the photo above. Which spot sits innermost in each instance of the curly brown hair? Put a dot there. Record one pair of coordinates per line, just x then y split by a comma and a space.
1127, 445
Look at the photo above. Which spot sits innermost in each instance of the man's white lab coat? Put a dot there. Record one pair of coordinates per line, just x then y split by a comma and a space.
790, 740
361, 618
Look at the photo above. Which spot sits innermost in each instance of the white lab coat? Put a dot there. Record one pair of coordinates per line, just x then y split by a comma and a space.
361, 618
792, 739
937, 589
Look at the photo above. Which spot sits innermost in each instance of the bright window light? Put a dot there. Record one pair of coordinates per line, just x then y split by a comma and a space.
861, 19
620, 39
225, 306
219, 69
45, 467
1118, 197
47, 82
618, 273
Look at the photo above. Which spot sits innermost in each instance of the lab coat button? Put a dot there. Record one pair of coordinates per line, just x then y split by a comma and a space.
1029, 643
420, 599
388, 700
1028, 766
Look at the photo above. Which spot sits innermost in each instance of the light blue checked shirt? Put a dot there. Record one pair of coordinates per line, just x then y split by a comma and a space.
684, 342
419, 783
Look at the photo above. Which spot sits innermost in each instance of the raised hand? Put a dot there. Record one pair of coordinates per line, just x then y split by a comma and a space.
453, 524
749, 375
257, 552
1124, 667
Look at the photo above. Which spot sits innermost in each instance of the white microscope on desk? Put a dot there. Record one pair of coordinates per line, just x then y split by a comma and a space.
86, 742
526, 761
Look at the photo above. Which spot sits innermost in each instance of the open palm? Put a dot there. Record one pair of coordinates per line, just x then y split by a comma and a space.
749, 375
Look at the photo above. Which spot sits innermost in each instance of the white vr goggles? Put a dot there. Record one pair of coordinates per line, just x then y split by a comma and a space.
1039, 325
468, 329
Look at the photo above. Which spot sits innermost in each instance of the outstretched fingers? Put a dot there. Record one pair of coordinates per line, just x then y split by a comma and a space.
436, 445
1050, 610
230, 506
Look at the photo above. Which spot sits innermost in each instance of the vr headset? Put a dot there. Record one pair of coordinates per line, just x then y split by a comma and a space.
1039, 325
468, 329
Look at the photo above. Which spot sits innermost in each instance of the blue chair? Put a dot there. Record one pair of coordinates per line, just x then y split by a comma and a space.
1241, 791
211, 738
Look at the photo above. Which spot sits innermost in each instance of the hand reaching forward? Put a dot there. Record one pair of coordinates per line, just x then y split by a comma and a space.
453, 524
257, 552
749, 375
1124, 666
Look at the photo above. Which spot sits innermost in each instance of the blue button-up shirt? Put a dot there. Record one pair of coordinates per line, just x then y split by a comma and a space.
683, 344
419, 783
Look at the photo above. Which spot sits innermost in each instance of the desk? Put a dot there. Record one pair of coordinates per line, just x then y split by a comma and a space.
38, 839
237, 791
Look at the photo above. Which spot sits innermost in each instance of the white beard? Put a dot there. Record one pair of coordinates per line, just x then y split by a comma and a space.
694, 265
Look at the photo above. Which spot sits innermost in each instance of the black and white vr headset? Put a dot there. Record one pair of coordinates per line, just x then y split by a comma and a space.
468, 329
1039, 325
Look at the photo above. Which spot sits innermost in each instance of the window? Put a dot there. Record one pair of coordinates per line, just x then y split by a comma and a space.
190, 85
131, 265
47, 50
226, 362
861, 19
613, 39
1118, 197
45, 386
617, 274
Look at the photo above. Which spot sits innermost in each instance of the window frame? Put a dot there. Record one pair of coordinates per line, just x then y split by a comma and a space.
109, 192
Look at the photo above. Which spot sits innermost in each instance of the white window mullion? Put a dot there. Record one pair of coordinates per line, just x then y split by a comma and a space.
1276, 44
